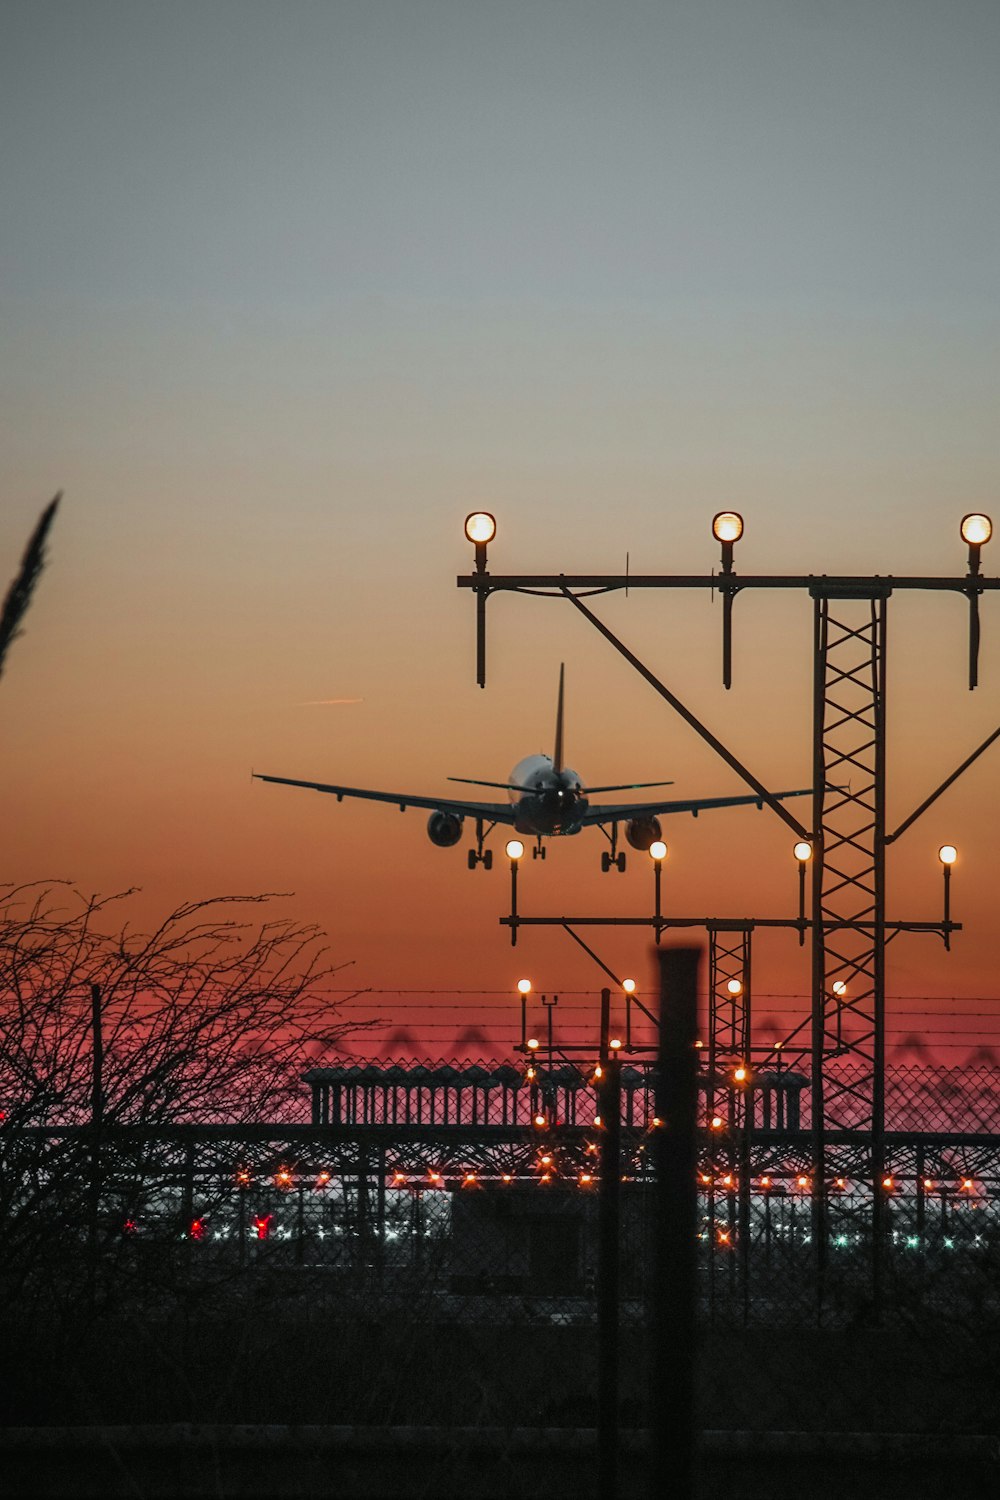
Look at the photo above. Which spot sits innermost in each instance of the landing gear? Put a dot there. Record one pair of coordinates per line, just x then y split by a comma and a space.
611, 856
479, 855
539, 851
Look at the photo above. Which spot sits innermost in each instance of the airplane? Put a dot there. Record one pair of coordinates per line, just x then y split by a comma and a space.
546, 799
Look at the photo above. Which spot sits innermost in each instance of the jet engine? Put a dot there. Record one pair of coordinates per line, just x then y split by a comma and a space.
445, 829
641, 832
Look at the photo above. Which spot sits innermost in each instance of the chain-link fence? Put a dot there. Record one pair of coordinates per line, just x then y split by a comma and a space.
443, 1271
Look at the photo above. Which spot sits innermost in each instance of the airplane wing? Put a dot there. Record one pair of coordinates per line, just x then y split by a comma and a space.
620, 812
491, 812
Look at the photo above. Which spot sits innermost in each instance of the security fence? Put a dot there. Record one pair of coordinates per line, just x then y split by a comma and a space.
444, 1271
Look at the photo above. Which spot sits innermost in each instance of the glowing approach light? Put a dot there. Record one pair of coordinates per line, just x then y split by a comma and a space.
802, 851
480, 527
524, 986
727, 526
947, 854
976, 529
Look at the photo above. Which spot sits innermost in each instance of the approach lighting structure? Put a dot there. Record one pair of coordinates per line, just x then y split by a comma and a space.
727, 528
947, 854
976, 531
657, 851
514, 850
524, 986
480, 528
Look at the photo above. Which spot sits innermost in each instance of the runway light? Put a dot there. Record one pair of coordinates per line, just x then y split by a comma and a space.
928, 1184
699, 1044
614, 1043
947, 854
628, 985
976, 529
480, 527
533, 1043
283, 1178
802, 851
717, 1122
598, 1071
539, 1121
657, 850
735, 987
524, 986
802, 1182
530, 1073
514, 850
839, 987
765, 1182
322, 1178
727, 526
741, 1073
887, 1183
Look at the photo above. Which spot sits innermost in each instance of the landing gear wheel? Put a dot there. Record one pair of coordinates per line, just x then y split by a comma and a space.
488, 859
605, 861
472, 859
620, 862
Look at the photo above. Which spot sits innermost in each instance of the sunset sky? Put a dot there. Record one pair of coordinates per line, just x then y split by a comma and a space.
288, 289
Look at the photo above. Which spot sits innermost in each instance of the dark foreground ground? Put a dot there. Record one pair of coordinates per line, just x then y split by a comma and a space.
272, 1463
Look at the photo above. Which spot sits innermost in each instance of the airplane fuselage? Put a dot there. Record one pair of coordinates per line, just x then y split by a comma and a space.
546, 801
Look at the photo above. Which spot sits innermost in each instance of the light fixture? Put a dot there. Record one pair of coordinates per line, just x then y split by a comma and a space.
947, 854
514, 850
628, 985
524, 986
976, 529
657, 850
803, 851
735, 987
727, 526
480, 527
839, 987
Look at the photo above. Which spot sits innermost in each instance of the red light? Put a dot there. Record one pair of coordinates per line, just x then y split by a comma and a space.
262, 1226
197, 1230
129, 1227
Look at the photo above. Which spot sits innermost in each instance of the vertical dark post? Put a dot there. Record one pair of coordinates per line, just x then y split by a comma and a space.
300, 1224
947, 906
513, 903
674, 1270
363, 1225
380, 1215
727, 638
879, 1202
921, 1225
608, 1225
96, 1122
744, 1229
818, 1202
481, 595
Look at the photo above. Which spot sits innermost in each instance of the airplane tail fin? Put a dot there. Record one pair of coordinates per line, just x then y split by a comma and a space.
557, 757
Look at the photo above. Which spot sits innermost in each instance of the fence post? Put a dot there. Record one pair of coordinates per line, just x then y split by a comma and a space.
674, 1269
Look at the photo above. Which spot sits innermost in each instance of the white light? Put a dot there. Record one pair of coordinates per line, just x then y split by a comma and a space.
727, 526
480, 527
947, 854
735, 986
976, 530
802, 851
628, 985
839, 987
657, 850
514, 849
524, 986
